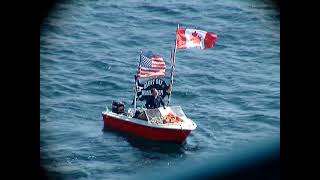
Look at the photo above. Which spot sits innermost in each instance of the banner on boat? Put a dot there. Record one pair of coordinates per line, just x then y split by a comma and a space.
144, 89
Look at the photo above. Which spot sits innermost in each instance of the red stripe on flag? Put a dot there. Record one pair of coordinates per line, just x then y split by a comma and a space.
158, 66
181, 39
157, 60
150, 70
151, 73
152, 76
158, 63
210, 40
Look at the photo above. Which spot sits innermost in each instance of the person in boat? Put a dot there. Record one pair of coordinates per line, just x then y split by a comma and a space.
155, 100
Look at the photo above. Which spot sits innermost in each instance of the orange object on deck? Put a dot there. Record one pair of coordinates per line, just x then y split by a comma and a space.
171, 118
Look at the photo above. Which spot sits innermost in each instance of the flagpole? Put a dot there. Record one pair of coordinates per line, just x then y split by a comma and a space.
136, 86
173, 62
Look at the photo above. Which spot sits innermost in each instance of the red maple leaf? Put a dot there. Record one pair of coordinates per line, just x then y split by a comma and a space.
195, 38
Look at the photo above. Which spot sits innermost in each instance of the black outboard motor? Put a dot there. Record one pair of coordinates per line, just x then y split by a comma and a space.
118, 107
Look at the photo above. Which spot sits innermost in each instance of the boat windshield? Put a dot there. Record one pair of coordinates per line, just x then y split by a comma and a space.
160, 112
152, 114
177, 110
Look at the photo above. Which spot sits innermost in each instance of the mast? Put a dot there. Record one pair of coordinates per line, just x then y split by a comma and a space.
136, 86
173, 62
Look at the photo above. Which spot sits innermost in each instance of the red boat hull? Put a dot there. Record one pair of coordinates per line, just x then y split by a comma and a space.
151, 133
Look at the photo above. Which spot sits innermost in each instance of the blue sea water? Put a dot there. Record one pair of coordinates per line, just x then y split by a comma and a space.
89, 51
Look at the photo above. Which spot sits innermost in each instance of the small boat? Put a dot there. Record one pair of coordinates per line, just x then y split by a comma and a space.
166, 125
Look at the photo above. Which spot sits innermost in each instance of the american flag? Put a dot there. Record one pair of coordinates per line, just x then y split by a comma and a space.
151, 66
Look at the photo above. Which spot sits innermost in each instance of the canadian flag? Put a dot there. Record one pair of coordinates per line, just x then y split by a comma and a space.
192, 38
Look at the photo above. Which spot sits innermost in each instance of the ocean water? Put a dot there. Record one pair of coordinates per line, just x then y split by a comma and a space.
89, 52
